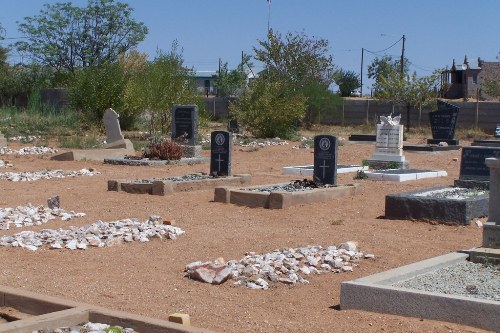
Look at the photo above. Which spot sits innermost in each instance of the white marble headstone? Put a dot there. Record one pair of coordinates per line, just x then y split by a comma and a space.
389, 143
112, 125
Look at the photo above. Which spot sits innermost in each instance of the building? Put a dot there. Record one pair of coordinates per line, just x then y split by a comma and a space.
205, 82
467, 80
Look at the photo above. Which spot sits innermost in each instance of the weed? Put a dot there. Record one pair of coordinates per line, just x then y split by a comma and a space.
392, 165
337, 222
360, 174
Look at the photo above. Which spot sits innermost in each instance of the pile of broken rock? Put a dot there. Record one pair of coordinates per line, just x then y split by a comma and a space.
288, 265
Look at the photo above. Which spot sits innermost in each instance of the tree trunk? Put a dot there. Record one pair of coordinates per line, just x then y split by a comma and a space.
408, 107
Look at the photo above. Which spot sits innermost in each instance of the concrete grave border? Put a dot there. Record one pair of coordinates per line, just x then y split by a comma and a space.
280, 199
376, 293
308, 170
147, 162
50, 313
408, 206
166, 187
403, 177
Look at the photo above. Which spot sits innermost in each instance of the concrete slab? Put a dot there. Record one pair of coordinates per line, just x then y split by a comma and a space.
416, 205
165, 187
376, 293
92, 154
308, 170
280, 199
403, 175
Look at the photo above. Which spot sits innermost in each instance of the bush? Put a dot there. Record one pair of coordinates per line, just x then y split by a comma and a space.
163, 150
269, 108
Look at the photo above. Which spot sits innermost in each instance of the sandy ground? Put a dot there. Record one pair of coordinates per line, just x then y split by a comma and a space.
148, 278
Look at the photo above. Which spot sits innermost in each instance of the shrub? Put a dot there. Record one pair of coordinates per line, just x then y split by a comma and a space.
163, 150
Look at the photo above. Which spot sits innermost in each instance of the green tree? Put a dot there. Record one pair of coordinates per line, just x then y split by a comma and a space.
409, 91
66, 37
232, 82
383, 67
348, 81
269, 108
161, 84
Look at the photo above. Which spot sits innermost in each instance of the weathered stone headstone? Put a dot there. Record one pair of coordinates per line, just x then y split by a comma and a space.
220, 156
473, 170
443, 124
325, 159
112, 125
185, 123
389, 146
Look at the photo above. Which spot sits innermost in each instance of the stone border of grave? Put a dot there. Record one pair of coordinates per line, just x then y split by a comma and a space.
429, 148
148, 162
411, 206
377, 293
166, 187
49, 313
403, 175
280, 199
308, 170
486, 143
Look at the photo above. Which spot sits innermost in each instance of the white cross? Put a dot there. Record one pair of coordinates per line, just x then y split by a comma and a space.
324, 166
219, 160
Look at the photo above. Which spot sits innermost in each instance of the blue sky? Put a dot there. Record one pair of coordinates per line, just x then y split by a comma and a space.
436, 31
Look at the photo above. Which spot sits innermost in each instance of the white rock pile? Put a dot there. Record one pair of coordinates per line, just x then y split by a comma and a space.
46, 174
5, 164
288, 266
35, 150
25, 138
89, 327
29, 215
99, 234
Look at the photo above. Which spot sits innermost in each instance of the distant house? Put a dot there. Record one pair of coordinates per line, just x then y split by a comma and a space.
467, 80
205, 82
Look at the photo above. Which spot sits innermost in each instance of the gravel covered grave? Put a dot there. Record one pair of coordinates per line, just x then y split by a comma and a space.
287, 265
35, 150
294, 186
99, 234
452, 193
29, 215
185, 178
46, 174
89, 328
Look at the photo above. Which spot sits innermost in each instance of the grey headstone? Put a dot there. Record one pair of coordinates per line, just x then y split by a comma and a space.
112, 125
220, 156
185, 122
325, 159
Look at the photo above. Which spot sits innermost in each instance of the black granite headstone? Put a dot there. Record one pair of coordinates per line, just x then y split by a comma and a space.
220, 156
325, 159
185, 122
232, 126
443, 123
497, 131
473, 166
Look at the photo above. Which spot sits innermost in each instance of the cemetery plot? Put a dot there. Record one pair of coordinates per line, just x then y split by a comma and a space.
169, 185
307, 170
394, 292
441, 204
402, 175
283, 195
46, 174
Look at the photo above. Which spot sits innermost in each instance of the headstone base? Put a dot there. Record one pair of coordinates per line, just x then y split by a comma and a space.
382, 165
191, 151
451, 142
491, 235
477, 184
485, 255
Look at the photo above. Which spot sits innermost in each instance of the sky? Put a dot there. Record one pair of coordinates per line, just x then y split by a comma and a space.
436, 31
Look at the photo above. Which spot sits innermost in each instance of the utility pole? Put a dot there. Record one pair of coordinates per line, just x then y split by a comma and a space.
361, 76
403, 56
269, 16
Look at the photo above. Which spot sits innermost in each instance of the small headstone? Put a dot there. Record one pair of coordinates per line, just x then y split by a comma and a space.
325, 159
497, 131
185, 123
112, 125
443, 123
232, 126
220, 156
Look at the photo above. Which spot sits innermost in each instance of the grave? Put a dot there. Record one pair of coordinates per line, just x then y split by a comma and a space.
185, 129
307, 170
402, 175
380, 293
32, 312
388, 147
116, 145
490, 250
473, 170
278, 196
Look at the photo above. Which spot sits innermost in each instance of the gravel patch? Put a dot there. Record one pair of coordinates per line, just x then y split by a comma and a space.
89, 328
456, 193
29, 215
185, 178
35, 150
294, 186
464, 279
46, 174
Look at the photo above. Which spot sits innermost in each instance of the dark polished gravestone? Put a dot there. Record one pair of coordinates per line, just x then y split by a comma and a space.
220, 156
473, 170
443, 124
325, 159
185, 123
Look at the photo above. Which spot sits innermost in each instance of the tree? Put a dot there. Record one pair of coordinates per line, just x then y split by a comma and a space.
66, 37
232, 82
408, 91
269, 108
347, 82
161, 84
383, 67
